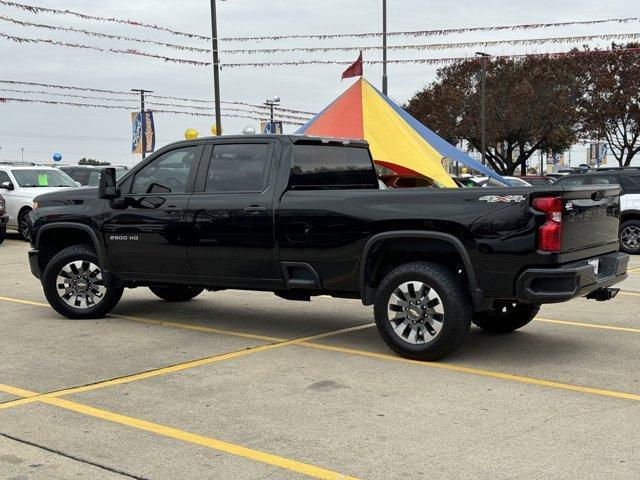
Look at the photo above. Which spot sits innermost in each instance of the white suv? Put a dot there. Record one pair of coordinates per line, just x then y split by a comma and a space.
20, 184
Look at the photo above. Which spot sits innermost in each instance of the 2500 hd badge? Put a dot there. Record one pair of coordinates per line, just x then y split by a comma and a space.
124, 237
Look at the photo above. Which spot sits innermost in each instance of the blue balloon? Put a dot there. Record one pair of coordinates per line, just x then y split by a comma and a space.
57, 157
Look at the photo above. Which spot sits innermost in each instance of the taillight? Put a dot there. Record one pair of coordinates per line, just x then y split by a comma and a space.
550, 234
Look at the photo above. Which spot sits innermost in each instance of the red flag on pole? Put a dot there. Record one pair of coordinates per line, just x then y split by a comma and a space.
355, 69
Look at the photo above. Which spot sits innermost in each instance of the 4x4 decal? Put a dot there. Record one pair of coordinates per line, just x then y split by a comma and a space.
503, 198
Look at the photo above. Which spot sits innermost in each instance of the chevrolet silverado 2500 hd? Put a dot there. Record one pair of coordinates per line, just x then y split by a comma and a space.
302, 216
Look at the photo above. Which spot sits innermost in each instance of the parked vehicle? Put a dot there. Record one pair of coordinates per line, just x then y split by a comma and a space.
4, 218
302, 216
87, 175
466, 182
19, 185
629, 180
490, 182
537, 180
408, 181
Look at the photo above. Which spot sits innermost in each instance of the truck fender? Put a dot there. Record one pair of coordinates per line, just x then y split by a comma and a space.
97, 245
367, 293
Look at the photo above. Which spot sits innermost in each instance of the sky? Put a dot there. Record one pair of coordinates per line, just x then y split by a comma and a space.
105, 135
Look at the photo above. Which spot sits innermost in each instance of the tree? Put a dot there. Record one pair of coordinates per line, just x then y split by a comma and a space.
531, 105
610, 106
92, 161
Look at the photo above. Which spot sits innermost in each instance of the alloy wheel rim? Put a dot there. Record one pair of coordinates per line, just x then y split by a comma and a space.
24, 226
630, 237
416, 313
79, 284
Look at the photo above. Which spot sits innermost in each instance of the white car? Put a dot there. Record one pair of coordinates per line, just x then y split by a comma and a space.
513, 182
19, 185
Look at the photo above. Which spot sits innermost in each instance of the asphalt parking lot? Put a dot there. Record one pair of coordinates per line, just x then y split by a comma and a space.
246, 385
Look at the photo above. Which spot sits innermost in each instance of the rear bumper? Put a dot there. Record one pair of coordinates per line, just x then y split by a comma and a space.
547, 285
33, 263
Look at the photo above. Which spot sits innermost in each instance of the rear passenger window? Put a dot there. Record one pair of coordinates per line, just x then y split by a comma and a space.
238, 168
326, 166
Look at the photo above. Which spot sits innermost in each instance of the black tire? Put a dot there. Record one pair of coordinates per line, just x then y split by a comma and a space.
630, 237
24, 227
457, 311
505, 317
77, 253
177, 293
3, 234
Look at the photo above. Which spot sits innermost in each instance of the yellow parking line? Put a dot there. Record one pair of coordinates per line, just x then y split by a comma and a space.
199, 328
165, 370
24, 302
307, 343
181, 435
629, 293
476, 371
588, 325
634, 270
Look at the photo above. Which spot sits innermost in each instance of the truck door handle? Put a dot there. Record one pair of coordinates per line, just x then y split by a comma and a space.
255, 208
174, 209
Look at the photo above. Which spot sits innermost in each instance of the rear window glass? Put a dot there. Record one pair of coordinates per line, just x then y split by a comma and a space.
327, 166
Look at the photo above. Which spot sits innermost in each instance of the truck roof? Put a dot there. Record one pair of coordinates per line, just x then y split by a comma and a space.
291, 138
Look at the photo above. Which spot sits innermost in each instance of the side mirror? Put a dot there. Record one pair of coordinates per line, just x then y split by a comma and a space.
7, 186
107, 189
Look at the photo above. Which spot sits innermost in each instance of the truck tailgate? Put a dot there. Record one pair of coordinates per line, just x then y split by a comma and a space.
590, 216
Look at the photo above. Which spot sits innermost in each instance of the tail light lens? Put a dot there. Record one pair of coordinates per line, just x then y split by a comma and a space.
550, 234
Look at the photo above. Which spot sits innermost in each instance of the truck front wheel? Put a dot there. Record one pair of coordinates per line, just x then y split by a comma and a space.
74, 286
176, 293
423, 311
505, 317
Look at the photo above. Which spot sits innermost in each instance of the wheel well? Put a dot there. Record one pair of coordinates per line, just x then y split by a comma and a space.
55, 240
388, 254
629, 216
24, 209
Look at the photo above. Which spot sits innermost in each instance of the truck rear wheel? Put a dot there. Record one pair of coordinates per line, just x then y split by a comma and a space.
422, 311
505, 317
177, 293
74, 287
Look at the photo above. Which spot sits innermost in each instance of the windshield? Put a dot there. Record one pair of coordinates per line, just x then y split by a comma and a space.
42, 178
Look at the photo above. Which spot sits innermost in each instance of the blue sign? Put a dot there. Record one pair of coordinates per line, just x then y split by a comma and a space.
57, 157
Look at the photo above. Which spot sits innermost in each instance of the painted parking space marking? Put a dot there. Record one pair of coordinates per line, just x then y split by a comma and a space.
29, 398
588, 325
184, 436
307, 342
481, 372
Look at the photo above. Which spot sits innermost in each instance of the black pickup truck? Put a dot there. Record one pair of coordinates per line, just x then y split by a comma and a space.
302, 216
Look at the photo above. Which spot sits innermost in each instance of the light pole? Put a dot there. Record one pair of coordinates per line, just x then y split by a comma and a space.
272, 102
22, 153
216, 67
483, 121
143, 127
384, 47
